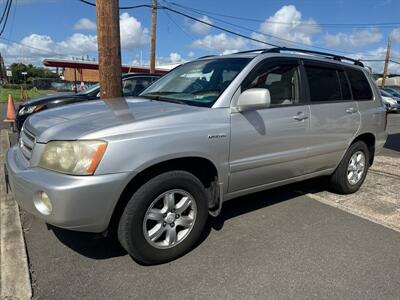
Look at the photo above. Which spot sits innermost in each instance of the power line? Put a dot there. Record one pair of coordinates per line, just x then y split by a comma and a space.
9, 41
4, 11
195, 19
273, 36
180, 28
352, 25
219, 27
121, 7
237, 33
7, 13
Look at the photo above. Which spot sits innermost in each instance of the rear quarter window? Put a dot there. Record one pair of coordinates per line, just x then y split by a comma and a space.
359, 85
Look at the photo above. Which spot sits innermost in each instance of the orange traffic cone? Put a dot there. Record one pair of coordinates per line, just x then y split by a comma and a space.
10, 110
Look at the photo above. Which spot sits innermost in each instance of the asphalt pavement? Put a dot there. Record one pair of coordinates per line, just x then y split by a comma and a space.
275, 244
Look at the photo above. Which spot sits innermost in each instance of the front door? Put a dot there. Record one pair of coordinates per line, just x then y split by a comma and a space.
269, 145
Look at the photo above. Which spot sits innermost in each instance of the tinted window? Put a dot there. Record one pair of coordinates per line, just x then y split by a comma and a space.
359, 85
323, 83
134, 86
282, 81
344, 83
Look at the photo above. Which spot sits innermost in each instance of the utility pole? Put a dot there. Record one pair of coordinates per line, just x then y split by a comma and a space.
153, 36
108, 39
387, 59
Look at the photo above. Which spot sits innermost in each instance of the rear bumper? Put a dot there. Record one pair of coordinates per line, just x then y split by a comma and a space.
380, 141
82, 203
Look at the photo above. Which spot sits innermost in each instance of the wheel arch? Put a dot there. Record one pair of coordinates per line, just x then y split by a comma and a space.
369, 139
201, 167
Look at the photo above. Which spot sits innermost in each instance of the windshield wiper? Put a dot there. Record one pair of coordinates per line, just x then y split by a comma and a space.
164, 99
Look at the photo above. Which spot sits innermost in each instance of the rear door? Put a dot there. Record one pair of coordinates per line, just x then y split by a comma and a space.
334, 115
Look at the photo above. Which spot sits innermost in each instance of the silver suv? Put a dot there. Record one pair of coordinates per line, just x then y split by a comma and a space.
153, 168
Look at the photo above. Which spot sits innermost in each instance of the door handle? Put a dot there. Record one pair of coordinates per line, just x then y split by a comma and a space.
300, 116
351, 110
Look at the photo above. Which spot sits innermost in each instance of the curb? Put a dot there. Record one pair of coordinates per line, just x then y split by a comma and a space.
15, 279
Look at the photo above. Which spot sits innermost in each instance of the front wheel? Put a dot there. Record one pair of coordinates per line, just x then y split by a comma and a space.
164, 218
352, 170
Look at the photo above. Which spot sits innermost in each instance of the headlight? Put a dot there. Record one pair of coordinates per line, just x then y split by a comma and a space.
27, 110
73, 157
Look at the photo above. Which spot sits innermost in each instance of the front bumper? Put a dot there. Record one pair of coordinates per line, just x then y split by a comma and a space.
82, 203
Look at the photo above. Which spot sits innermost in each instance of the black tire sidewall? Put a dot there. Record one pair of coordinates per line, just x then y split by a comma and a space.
357, 146
130, 231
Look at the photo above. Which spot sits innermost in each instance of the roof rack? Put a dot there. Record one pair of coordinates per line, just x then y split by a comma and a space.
324, 54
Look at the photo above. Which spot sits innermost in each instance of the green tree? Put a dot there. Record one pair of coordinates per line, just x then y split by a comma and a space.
32, 73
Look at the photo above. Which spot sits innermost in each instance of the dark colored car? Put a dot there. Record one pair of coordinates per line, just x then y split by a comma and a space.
394, 92
132, 85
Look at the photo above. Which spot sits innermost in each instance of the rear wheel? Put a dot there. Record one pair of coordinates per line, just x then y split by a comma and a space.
164, 218
352, 170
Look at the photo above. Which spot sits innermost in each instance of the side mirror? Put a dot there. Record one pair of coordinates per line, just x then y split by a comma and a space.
253, 99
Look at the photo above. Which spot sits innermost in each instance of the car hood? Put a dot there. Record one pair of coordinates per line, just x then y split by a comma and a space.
80, 120
50, 98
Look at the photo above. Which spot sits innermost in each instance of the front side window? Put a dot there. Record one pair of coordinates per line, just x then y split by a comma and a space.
323, 83
198, 83
134, 86
359, 85
282, 81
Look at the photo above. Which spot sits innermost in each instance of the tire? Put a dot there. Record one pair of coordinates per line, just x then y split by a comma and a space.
340, 183
135, 223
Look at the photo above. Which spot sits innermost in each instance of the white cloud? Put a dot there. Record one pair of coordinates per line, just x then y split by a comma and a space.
175, 57
77, 44
85, 24
199, 27
133, 35
191, 54
395, 34
35, 47
220, 43
287, 23
379, 54
355, 39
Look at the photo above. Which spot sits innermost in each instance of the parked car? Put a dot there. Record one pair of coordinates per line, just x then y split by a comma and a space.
394, 92
391, 102
132, 84
152, 168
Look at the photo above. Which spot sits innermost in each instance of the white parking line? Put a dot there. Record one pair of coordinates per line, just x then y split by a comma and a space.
378, 198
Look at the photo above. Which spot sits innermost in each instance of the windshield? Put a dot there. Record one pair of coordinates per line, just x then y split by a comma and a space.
385, 94
196, 83
90, 90
392, 92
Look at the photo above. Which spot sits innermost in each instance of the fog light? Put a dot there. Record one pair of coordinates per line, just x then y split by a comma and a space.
43, 204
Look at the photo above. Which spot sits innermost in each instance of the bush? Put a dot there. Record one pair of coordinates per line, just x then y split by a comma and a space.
16, 86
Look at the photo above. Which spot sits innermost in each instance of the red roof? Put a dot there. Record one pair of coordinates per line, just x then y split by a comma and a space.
81, 64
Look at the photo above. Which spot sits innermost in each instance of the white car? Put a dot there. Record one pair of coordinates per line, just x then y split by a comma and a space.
392, 103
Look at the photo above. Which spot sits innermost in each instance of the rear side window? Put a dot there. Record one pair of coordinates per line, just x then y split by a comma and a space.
359, 85
323, 83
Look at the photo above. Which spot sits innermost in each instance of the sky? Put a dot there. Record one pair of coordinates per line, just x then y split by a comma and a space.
39, 29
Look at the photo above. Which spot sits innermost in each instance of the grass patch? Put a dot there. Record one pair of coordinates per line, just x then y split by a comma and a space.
16, 94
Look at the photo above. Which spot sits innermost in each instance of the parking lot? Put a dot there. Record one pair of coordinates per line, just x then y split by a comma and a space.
280, 243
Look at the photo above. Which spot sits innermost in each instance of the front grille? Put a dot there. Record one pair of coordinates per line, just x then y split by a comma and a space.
26, 143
